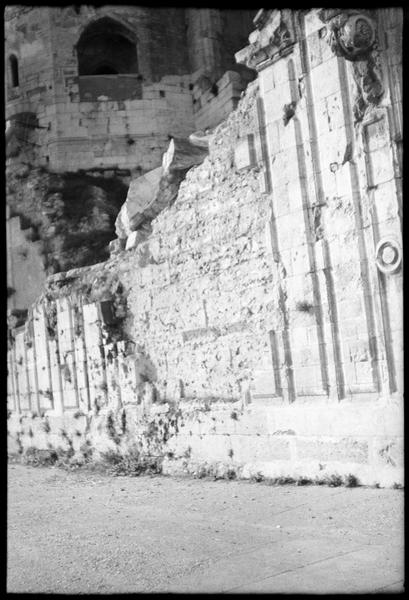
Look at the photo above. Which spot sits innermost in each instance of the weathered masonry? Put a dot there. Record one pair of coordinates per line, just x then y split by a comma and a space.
92, 99
103, 91
250, 319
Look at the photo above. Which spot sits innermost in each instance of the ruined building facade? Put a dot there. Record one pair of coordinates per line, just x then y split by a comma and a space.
249, 319
93, 96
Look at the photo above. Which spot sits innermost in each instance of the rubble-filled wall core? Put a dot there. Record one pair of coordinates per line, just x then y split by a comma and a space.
258, 320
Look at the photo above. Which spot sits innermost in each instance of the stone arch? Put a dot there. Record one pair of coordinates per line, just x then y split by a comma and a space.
14, 74
106, 47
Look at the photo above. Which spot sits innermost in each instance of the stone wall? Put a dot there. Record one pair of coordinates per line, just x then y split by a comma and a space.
265, 308
102, 130
115, 121
213, 36
336, 187
79, 386
111, 124
25, 270
215, 104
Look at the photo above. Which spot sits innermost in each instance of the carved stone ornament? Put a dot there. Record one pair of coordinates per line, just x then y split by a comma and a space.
351, 33
388, 256
369, 88
274, 38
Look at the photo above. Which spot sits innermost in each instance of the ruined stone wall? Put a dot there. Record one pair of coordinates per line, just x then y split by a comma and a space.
213, 36
214, 104
200, 299
118, 120
217, 80
329, 311
265, 308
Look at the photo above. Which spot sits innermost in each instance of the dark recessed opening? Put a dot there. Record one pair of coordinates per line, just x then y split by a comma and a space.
105, 70
107, 48
14, 71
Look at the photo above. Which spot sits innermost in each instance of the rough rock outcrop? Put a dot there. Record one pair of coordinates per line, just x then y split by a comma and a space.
72, 214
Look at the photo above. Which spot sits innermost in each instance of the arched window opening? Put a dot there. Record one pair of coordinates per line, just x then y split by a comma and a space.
14, 71
106, 48
105, 70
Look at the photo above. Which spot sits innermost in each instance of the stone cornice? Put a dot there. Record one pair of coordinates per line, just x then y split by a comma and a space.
273, 38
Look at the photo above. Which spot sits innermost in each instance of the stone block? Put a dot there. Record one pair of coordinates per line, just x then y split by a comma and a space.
262, 448
81, 372
55, 376
116, 246
95, 358
74, 423
209, 447
263, 385
11, 393
244, 153
254, 421
386, 202
112, 375
13, 446
381, 165
314, 49
91, 324
42, 359
134, 239
348, 449
32, 388
127, 375
141, 194
328, 72
70, 397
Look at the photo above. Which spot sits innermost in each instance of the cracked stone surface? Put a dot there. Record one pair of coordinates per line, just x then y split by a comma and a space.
82, 532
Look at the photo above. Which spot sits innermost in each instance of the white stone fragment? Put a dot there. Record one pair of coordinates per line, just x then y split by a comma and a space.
134, 238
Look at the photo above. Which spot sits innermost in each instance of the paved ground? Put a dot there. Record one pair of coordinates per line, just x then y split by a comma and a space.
78, 532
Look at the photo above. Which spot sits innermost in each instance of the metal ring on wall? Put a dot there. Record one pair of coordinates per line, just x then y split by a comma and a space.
388, 256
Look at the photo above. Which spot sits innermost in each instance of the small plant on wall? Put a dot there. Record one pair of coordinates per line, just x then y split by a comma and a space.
45, 425
304, 306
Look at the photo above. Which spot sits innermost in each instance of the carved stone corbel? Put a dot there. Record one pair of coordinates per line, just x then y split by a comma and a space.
353, 36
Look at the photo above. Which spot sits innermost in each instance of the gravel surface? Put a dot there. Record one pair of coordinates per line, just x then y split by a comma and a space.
84, 532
